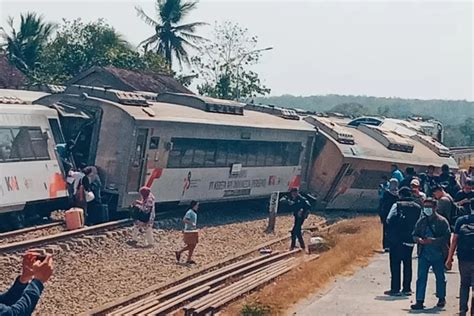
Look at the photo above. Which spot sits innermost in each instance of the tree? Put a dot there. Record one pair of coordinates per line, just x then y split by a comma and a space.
170, 38
79, 46
24, 46
224, 64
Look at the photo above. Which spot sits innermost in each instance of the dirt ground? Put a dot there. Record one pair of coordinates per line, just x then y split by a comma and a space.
353, 243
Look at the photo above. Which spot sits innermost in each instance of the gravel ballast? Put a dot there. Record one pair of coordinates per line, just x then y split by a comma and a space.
99, 270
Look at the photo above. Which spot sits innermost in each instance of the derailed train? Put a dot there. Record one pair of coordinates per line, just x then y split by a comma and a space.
188, 147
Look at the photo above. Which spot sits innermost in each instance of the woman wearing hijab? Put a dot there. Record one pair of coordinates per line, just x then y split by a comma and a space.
146, 205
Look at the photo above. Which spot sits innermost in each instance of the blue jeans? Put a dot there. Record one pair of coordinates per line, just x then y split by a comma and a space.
424, 265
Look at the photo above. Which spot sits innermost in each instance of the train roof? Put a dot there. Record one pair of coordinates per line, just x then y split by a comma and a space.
24, 95
20, 102
375, 143
164, 111
182, 108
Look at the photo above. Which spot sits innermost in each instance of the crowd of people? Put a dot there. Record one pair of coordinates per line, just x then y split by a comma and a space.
436, 214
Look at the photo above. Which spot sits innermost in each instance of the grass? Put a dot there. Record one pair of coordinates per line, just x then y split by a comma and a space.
353, 243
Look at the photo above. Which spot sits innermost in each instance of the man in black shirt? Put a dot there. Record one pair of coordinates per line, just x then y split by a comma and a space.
464, 196
300, 208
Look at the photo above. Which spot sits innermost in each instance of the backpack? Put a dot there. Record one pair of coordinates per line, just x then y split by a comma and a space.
466, 241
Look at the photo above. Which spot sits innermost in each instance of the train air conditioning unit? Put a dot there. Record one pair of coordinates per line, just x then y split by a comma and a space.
432, 144
285, 113
202, 103
387, 138
339, 133
118, 96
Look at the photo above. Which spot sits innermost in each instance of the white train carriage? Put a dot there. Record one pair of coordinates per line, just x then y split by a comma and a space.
30, 172
185, 147
352, 156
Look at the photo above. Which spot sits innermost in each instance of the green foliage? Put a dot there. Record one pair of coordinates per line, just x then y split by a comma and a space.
223, 64
170, 37
456, 116
255, 309
25, 44
79, 46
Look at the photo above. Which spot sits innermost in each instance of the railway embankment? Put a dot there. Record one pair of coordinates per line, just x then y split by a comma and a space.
97, 269
352, 243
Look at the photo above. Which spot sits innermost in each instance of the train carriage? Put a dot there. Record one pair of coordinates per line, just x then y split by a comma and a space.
30, 172
351, 156
183, 146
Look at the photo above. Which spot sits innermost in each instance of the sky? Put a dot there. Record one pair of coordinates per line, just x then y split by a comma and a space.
409, 49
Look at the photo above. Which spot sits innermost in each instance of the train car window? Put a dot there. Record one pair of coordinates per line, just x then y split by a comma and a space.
278, 155
154, 142
233, 153
39, 143
22, 144
199, 157
187, 157
293, 154
6, 140
368, 179
271, 154
243, 153
252, 154
261, 153
56, 130
210, 157
221, 154
174, 157
199, 153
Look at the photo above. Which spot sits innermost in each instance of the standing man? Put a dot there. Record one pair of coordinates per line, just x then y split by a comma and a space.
397, 174
300, 208
448, 180
402, 219
389, 197
463, 197
410, 175
463, 240
429, 180
446, 206
432, 236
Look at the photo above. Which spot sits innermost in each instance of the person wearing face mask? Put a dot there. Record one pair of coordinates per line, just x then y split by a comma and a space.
432, 235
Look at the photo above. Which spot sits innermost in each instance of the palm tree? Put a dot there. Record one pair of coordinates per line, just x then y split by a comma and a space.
23, 46
170, 38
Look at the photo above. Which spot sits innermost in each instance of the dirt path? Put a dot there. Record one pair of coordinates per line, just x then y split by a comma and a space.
362, 294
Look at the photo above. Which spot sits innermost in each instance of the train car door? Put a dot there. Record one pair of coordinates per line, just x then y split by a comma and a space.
138, 161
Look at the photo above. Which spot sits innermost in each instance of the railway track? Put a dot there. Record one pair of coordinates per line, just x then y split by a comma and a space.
31, 232
210, 288
44, 240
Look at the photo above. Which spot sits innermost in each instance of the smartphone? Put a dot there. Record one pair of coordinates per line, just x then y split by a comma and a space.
39, 253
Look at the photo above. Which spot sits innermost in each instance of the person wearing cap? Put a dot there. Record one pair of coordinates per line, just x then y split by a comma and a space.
432, 235
300, 208
416, 192
401, 220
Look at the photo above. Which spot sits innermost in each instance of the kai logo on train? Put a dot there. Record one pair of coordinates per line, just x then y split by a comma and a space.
12, 184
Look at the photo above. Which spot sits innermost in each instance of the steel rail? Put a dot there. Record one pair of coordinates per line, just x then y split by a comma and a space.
63, 235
